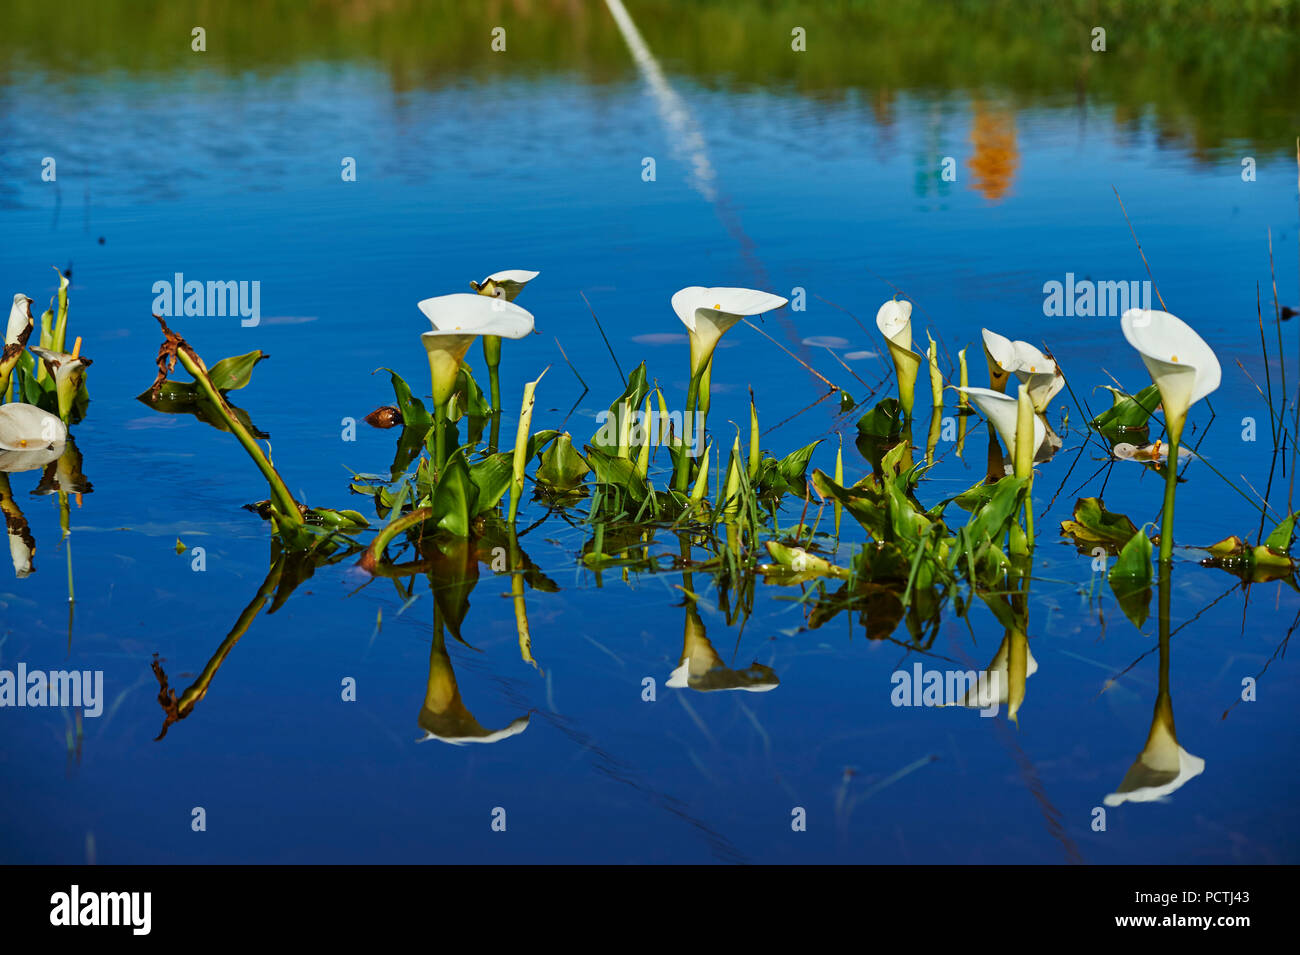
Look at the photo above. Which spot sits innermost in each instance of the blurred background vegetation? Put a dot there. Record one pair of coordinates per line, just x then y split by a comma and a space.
1210, 73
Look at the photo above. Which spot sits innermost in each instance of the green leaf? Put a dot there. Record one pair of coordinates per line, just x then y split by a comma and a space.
1130, 578
236, 371
864, 503
411, 407
562, 467
626, 403
455, 499
1128, 412
1280, 537
885, 420
491, 476
1094, 525
794, 466
617, 472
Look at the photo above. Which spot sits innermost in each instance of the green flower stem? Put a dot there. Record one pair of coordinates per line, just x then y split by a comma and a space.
492, 358
288, 514
439, 436
1167, 517
684, 462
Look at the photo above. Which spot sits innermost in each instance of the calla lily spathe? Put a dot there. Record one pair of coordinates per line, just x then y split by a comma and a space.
707, 313
68, 370
894, 319
457, 320
25, 428
1000, 354
1038, 373
20, 317
506, 284
1032, 368
1181, 364
1001, 411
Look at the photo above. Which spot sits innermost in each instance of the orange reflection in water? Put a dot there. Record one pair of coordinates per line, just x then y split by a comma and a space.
993, 165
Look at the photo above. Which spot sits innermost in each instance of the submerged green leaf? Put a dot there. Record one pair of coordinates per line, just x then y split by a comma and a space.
1094, 525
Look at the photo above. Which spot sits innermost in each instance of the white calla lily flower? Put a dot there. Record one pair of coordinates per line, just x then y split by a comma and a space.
707, 313
20, 317
67, 370
457, 320
26, 428
894, 320
1000, 354
506, 284
1001, 411
1181, 364
1038, 373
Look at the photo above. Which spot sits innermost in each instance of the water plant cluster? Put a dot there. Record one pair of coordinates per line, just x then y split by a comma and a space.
451, 489
450, 500
43, 394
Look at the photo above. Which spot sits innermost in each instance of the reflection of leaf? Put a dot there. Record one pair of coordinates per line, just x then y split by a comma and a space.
1093, 525
1130, 578
175, 398
1128, 411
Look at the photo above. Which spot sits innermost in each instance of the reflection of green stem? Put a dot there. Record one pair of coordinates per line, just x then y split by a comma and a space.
1167, 518
199, 688
375, 552
288, 514
517, 594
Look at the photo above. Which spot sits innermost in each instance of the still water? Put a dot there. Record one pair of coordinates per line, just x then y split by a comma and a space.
770, 171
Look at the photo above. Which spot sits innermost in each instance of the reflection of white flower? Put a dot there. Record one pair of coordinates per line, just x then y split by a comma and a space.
504, 284
444, 716
457, 320
1001, 411
702, 669
995, 684
1163, 765
20, 317
707, 313
1183, 367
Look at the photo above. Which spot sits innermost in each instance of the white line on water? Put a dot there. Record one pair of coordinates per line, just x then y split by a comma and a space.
687, 140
